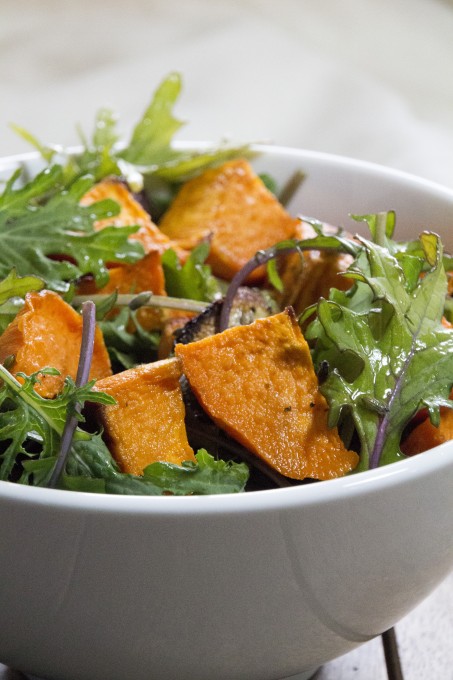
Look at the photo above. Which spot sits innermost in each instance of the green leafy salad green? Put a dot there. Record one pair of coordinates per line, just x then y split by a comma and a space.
382, 348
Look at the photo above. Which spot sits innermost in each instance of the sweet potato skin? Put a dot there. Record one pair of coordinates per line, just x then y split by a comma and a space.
257, 382
147, 422
48, 332
231, 205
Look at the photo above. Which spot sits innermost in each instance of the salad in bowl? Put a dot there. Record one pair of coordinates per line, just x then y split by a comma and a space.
168, 326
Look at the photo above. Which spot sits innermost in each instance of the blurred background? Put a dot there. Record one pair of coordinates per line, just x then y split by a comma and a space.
364, 78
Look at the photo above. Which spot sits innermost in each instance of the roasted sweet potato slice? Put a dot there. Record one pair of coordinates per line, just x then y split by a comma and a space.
131, 213
48, 332
257, 382
144, 275
231, 204
147, 422
310, 275
426, 436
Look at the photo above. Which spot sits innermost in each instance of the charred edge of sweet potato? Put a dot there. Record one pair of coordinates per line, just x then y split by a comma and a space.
200, 326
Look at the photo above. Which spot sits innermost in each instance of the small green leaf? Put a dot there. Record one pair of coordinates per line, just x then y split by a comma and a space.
430, 244
192, 280
207, 476
381, 225
269, 182
14, 286
274, 276
128, 347
15, 200
46, 152
152, 136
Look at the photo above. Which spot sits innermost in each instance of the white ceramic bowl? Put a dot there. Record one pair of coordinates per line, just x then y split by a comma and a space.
258, 586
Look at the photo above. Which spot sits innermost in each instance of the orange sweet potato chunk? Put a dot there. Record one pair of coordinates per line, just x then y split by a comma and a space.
231, 205
48, 332
426, 436
310, 275
257, 382
147, 422
148, 234
131, 213
146, 274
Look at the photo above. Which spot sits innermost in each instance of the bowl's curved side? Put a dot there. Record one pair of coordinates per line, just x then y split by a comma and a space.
335, 187
259, 594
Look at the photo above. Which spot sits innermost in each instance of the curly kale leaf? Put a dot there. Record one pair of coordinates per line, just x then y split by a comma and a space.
91, 468
207, 476
387, 351
56, 240
30, 425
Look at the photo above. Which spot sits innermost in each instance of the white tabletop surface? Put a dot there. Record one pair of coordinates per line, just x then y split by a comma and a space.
371, 79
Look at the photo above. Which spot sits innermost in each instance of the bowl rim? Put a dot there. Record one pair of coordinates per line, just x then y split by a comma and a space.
266, 148
402, 472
